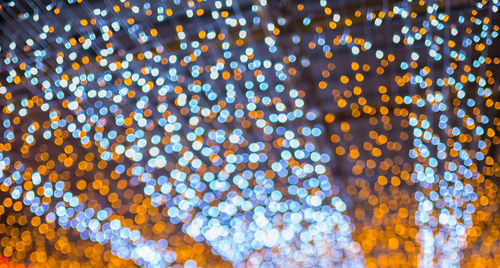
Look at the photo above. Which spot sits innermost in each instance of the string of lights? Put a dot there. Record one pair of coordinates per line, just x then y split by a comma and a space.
249, 133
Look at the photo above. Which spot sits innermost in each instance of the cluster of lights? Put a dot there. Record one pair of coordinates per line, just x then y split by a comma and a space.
173, 133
